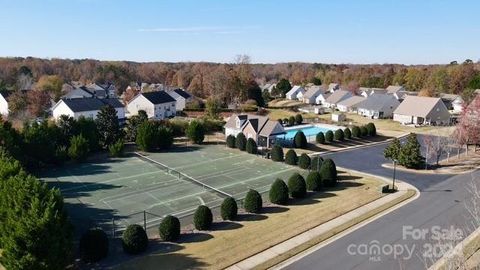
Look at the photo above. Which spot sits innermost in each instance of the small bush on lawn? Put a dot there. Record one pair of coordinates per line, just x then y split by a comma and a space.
78, 150
291, 157
298, 119
253, 202
316, 163
278, 192
277, 153
231, 141
339, 135
320, 138
134, 239
203, 218
195, 132
94, 245
314, 181
304, 161
371, 129
169, 228
329, 136
347, 133
300, 141
328, 172
356, 132
116, 149
363, 131
291, 120
296, 186
251, 146
241, 141
229, 209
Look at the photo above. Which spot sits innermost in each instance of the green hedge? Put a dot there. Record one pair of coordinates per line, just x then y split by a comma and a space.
371, 129
339, 135
347, 133
316, 163
314, 181
328, 172
291, 157
134, 239
231, 141
298, 119
277, 153
304, 161
278, 192
356, 132
291, 120
363, 131
329, 136
300, 141
251, 146
296, 186
320, 138
253, 202
169, 229
203, 218
229, 209
241, 141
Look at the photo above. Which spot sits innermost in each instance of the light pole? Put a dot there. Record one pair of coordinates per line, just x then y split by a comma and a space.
394, 167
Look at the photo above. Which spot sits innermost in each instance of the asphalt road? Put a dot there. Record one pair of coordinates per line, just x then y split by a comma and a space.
393, 241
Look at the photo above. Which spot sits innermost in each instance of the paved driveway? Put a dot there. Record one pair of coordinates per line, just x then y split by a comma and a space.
441, 203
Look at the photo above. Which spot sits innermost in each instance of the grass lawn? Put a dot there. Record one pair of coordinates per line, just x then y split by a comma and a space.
276, 114
284, 103
232, 242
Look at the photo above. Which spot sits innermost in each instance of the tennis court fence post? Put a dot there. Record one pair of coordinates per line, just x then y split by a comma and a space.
145, 220
113, 227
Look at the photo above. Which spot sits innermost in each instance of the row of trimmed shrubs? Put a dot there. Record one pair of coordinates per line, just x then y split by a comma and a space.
242, 143
94, 243
340, 135
292, 120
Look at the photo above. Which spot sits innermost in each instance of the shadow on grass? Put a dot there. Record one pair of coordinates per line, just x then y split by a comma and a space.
160, 247
312, 198
274, 209
194, 237
225, 226
348, 177
251, 217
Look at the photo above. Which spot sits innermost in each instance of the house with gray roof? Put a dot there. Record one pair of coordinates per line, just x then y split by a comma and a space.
332, 87
181, 96
367, 91
350, 104
86, 107
336, 97
260, 128
453, 102
392, 89
422, 111
158, 105
312, 93
378, 106
296, 93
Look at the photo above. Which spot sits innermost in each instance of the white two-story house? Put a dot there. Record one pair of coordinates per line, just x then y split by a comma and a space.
86, 107
158, 105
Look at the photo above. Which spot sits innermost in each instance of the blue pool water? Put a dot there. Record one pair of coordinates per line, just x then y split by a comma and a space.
308, 131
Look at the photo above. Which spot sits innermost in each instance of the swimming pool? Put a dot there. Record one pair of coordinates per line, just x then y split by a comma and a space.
307, 130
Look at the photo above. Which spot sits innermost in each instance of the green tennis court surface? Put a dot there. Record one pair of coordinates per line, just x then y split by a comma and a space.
124, 188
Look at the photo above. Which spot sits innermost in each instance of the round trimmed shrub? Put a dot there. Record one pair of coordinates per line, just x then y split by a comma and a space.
169, 228
300, 141
251, 146
277, 153
339, 135
241, 141
298, 119
285, 121
363, 131
253, 202
291, 120
320, 138
134, 239
329, 136
314, 181
278, 192
229, 209
328, 172
371, 129
316, 163
203, 218
304, 161
94, 245
291, 157
231, 141
296, 186
356, 132
347, 133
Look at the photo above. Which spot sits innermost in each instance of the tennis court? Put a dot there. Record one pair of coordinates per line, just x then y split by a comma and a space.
174, 182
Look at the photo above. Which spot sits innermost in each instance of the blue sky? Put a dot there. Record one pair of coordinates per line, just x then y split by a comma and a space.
341, 31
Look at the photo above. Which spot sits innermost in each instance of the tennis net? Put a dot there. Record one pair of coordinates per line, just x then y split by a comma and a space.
182, 176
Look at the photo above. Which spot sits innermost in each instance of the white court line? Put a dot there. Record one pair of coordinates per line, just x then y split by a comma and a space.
180, 198
201, 200
235, 170
203, 162
151, 196
138, 191
112, 180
